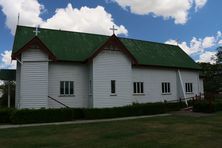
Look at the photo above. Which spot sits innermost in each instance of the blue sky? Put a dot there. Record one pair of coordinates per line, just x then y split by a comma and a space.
195, 25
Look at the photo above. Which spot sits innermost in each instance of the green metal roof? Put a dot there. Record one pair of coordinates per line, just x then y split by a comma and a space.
76, 46
8, 74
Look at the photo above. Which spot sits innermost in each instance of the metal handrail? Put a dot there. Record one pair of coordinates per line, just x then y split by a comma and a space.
58, 102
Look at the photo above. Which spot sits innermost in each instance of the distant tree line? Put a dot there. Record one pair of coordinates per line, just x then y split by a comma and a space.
212, 74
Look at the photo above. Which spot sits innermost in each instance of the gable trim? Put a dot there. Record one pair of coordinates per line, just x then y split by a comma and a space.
41, 46
113, 40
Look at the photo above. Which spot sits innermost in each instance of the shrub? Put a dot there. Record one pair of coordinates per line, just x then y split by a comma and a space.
5, 115
45, 115
68, 114
203, 106
132, 110
218, 106
174, 106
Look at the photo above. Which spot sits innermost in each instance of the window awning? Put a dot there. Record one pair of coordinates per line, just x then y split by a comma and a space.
8, 74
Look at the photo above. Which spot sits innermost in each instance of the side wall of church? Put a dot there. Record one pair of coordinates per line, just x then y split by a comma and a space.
153, 79
78, 73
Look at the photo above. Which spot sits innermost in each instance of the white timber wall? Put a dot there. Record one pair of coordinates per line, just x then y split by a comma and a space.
34, 55
111, 65
34, 79
17, 89
90, 86
191, 77
201, 87
152, 79
68, 72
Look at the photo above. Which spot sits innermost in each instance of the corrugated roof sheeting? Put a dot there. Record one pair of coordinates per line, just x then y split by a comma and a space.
76, 46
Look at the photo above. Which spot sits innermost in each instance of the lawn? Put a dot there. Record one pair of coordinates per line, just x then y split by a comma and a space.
171, 131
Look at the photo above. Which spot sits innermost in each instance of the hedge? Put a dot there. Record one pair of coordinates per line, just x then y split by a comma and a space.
45, 115
5, 115
24, 116
205, 106
133, 110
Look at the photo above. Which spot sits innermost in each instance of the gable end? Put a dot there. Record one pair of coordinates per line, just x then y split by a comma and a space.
114, 42
34, 43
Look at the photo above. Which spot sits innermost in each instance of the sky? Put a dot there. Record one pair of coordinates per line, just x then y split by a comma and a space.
194, 25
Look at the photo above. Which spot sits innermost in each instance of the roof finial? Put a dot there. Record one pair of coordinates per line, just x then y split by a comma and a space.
113, 29
36, 31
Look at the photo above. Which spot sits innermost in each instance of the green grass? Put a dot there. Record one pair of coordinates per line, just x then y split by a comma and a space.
172, 131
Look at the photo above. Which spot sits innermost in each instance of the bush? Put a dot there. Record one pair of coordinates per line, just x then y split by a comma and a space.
174, 106
132, 110
5, 115
218, 106
68, 114
203, 106
45, 115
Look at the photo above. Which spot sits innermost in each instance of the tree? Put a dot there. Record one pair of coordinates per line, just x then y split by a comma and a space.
213, 74
4, 98
212, 77
219, 55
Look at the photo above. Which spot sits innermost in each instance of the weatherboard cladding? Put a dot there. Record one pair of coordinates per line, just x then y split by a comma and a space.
78, 47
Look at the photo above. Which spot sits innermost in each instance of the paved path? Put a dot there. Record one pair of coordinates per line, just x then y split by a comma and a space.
81, 121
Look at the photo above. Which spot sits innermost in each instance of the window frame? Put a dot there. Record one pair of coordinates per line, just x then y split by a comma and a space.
138, 87
166, 88
67, 87
189, 87
113, 87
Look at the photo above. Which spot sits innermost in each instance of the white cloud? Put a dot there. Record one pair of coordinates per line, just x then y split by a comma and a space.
195, 45
207, 57
174, 9
29, 12
200, 47
85, 19
182, 45
199, 4
208, 42
93, 20
6, 62
171, 42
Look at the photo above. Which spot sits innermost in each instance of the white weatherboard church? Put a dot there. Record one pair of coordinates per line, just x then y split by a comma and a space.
59, 68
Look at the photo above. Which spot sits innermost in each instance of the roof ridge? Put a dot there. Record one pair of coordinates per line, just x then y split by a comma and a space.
98, 35
65, 31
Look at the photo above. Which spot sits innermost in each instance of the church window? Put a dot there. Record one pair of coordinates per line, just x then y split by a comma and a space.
138, 88
113, 86
66, 87
166, 88
189, 87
